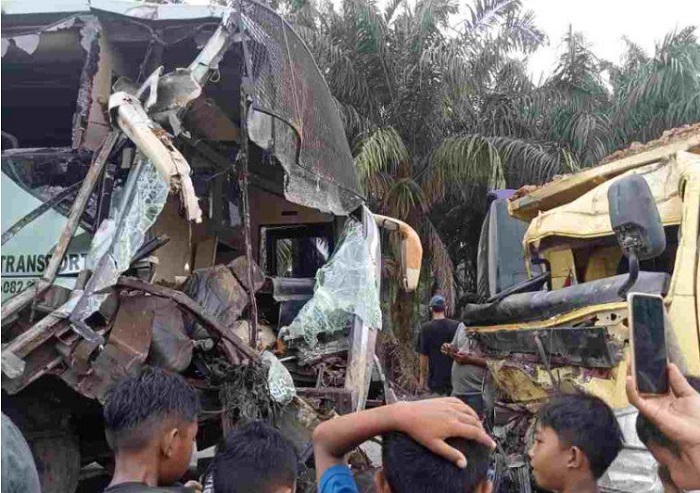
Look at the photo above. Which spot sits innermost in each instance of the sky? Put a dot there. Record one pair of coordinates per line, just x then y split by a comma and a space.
604, 23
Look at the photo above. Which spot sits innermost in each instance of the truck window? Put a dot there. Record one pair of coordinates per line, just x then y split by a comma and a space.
296, 251
501, 262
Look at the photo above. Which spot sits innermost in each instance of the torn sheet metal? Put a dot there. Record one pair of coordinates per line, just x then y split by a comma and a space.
171, 348
579, 346
347, 285
154, 142
292, 102
230, 340
239, 267
119, 238
125, 351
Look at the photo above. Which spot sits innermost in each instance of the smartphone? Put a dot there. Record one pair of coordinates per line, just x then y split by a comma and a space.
649, 355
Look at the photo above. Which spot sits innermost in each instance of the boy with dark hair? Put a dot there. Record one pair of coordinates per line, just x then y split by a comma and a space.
675, 471
577, 437
430, 445
401, 455
256, 458
151, 424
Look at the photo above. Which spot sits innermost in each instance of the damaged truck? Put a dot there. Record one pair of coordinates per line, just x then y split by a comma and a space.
178, 191
554, 318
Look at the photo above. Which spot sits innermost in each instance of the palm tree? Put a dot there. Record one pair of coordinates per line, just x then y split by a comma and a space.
652, 94
426, 105
438, 112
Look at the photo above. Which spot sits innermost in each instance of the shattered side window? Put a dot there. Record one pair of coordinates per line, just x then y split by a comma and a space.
47, 173
347, 285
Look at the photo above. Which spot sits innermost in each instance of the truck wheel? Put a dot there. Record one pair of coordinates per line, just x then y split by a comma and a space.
57, 458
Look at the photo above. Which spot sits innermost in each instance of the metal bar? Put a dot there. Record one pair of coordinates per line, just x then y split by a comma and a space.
77, 315
196, 309
53, 324
18, 302
10, 232
242, 162
214, 50
39, 333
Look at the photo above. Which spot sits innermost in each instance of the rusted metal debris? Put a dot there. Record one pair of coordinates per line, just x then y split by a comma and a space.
123, 354
196, 310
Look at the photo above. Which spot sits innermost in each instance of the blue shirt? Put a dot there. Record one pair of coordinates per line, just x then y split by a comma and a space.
337, 479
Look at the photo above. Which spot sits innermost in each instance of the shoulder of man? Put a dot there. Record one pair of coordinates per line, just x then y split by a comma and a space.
427, 326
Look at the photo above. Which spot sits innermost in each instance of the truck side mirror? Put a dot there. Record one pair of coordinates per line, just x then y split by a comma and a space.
411, 250
635, 220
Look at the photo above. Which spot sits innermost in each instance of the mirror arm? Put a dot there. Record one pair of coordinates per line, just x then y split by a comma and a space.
634, 274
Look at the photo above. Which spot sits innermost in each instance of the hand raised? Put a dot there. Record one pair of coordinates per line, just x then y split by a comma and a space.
431, 422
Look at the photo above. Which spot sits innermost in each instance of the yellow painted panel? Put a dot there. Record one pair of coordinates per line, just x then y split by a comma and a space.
602, 263
587, 216
561, 266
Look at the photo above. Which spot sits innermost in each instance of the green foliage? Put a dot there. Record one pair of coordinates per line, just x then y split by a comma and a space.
438, 112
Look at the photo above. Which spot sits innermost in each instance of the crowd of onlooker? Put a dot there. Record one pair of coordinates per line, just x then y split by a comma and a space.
435, 445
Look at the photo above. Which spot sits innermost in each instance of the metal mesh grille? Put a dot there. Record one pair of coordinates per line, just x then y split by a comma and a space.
286, 83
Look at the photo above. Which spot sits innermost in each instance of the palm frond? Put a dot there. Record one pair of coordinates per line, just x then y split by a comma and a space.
382, 150
347, 83
520, 32
634, 55
485, 14
496, 162
404, 197
662, 92
391, 10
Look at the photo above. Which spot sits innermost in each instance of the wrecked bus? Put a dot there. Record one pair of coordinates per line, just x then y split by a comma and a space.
178, 191
565, 325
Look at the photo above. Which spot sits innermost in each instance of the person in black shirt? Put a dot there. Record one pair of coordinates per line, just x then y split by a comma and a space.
436, 367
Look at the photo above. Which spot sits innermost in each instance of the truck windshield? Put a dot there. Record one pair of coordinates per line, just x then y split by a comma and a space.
501, 262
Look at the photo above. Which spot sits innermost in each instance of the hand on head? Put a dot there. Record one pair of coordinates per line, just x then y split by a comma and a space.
431, 422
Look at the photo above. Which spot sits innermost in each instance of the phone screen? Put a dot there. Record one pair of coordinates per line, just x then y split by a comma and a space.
649, 344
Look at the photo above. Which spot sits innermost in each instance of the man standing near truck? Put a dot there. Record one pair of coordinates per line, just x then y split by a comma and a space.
469, 370
435, 366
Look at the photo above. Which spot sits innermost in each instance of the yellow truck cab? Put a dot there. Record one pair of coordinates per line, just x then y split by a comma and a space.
566, 327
